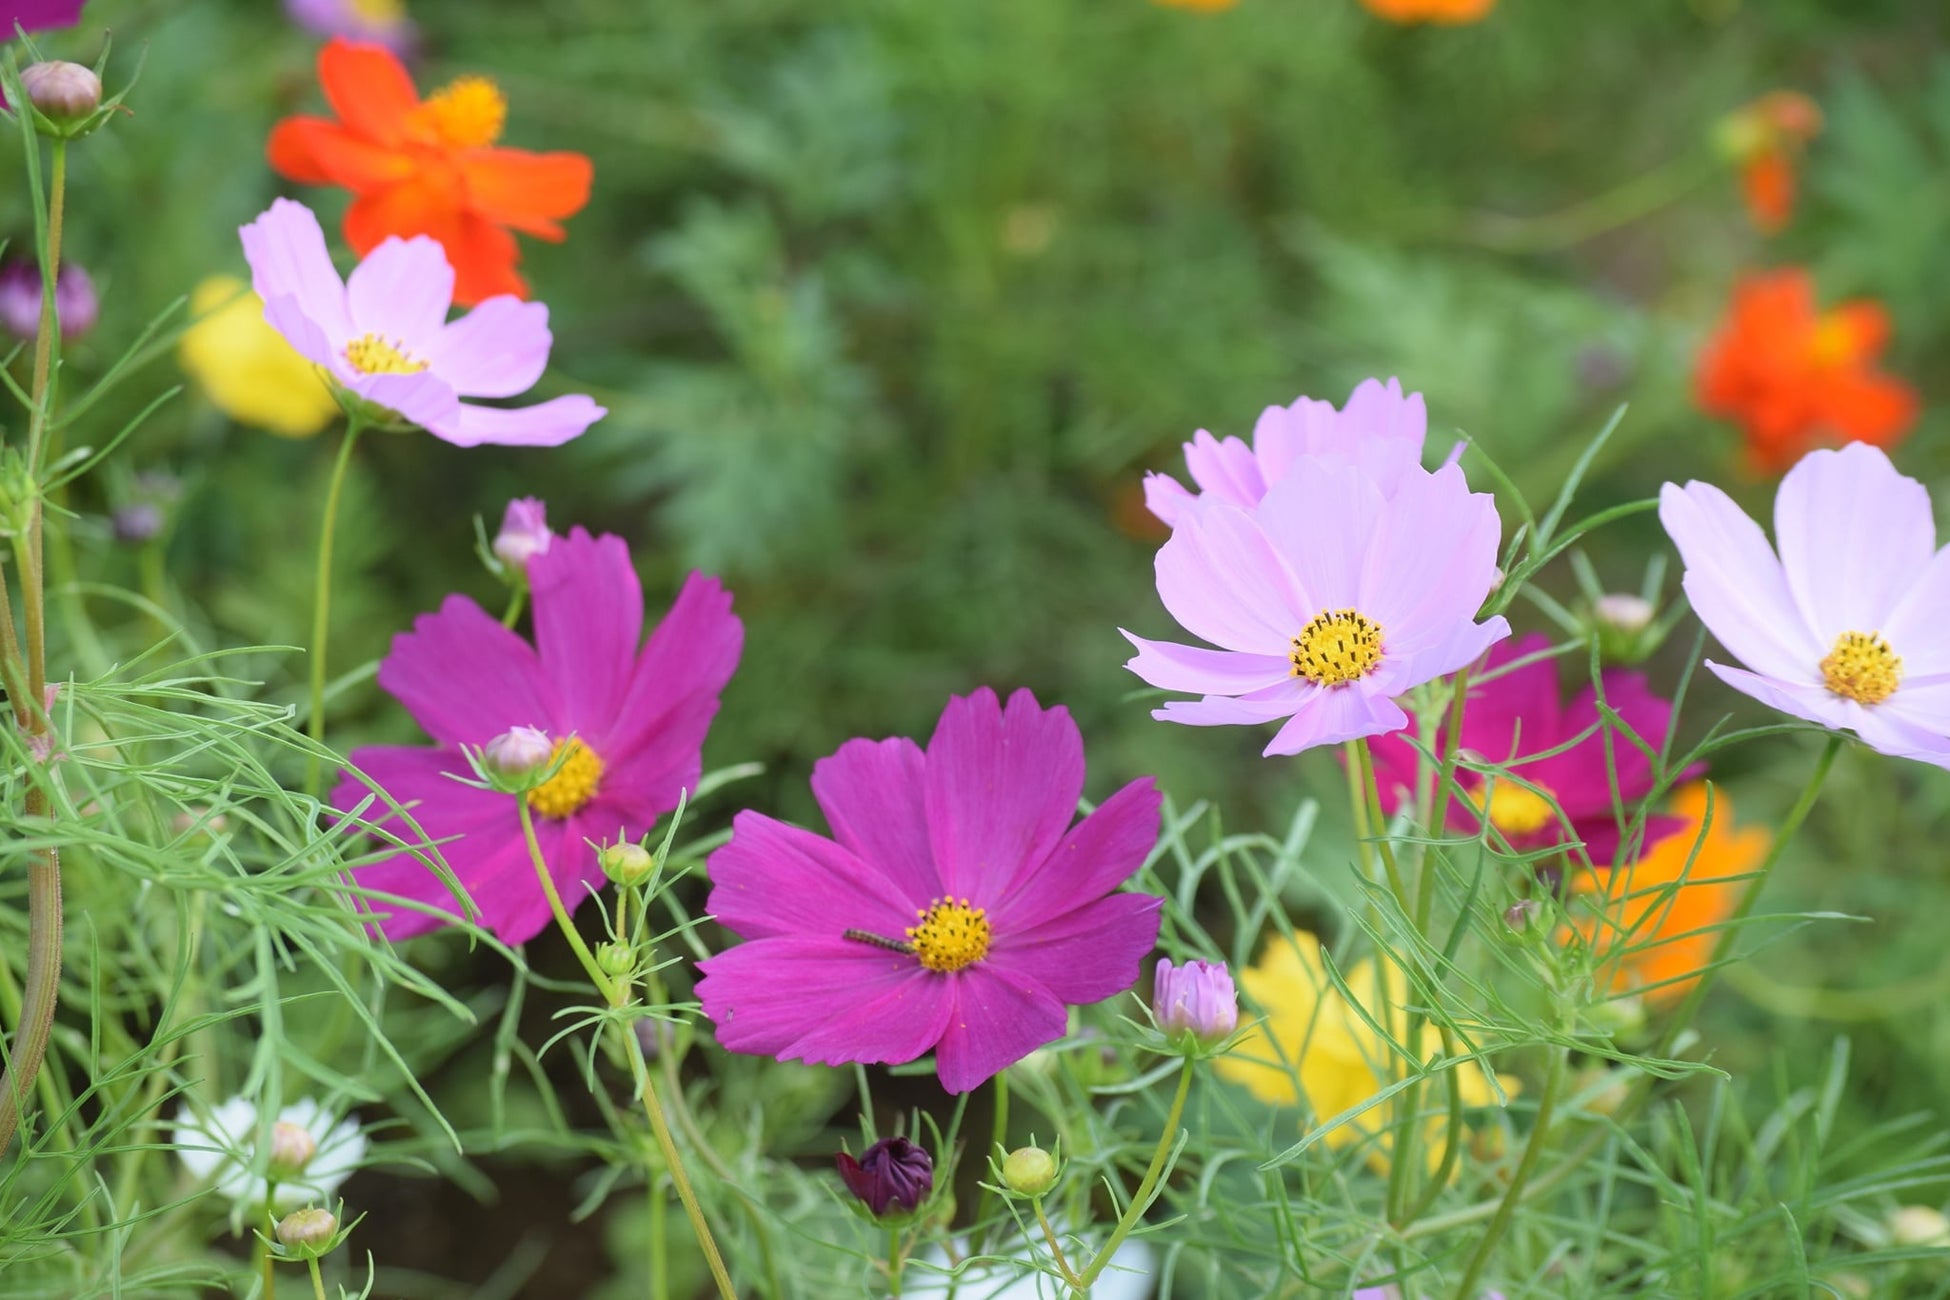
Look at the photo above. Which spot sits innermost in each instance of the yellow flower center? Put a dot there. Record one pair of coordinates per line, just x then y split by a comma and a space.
1835, 342
379, 11
1517, 811
1862, 667
574, 783
951, 935
467, 113
1338, 647
373, 355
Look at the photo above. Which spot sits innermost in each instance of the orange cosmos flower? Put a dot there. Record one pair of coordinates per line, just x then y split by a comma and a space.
1766, 139
1653, 933
429, 167
1795, 378
1429, 11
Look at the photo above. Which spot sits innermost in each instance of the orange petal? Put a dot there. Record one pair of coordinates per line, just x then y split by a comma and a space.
484, 257
368, 88
1768, 183
1866, 407
1866, 324
412, 207
314, 151
528, 191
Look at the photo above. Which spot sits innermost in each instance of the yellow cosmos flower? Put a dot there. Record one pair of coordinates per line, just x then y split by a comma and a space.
1328, 1057
246, 368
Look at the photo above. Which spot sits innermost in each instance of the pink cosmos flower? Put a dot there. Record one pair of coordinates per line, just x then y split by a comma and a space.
1849, 625
1379, 429
381, 21
1329, 599
956, 909
38, 15
383, 336
632, 725
1518, 712
524, 533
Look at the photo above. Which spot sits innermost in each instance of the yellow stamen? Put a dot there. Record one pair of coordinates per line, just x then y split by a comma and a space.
573, 785
1517, 811
1835, 342
951, 934
370, 354
467, 113
1338, 647
379, 12
1862, 667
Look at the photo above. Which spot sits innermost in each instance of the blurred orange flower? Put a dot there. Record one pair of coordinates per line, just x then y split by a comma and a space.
1653, 933
429, 167
1795, 378
1207, 6
1429, 11
1766, 138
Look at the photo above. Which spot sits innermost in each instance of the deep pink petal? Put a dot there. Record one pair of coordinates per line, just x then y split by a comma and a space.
874, 795
1100, 853
773, 879
499, 349
1735, 582
770, 995
1334, 715
1854, 536
467, 679
401, 292
1581, 778
1088, 954
547, 424
1174, 667
1002, 787
674, 684
1221, 579
286, 250
998, 1018
588, 616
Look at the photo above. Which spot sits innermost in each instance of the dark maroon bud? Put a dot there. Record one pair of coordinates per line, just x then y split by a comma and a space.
891, 1176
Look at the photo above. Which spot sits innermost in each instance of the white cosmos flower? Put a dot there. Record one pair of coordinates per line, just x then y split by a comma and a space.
314, 1152
1127, 1277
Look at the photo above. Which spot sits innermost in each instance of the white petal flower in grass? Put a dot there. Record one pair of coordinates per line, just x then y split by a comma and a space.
311, 1152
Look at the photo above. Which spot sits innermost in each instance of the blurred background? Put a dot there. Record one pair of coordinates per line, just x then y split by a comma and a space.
893, 303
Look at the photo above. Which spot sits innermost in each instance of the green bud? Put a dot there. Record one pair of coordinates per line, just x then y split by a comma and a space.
615, 959
627, 863
1029, 1170
307, 1230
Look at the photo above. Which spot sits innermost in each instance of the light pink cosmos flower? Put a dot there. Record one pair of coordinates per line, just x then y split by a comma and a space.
524, 533
1379, 429
383, 335
1329, 599
381, 21
1849, 625
632, 725
955, 910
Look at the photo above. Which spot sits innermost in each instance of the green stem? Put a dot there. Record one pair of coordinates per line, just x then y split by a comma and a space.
654, 1111
604, 985
47, 340
1056, 1247
1533, 1150
998, 1137
515, 604
1142, 1200
321, 609
659, 1254
896, 1262
317, 1280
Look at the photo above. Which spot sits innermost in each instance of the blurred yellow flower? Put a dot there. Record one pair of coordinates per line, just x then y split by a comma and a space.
1327, 1056
246, 368
1207, 6
1429, 11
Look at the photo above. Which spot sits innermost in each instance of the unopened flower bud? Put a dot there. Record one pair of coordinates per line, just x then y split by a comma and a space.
76, 305
1919, 1225
292, 1148
137, 523
1196, 1001
524, 534
1029, 1170
627, 863
519, 751
65, 92
1624, 612
615, 959
893, 1176
1497, 579
307, 1229
1520, 913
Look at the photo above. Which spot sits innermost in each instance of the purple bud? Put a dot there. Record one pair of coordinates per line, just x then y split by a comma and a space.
519, 751
65, 92
892, 1175
1197, 998
76, 308
137, 522
524, 533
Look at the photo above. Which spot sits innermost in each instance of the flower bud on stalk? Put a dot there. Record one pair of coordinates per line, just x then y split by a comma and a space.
292, 1147
518, 753
1195, 1004
893, 1176
1030, 1171
524, 535
307, 1230
627, 863
65, 93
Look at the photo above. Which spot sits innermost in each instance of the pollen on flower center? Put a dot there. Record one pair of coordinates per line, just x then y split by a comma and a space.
379, 11
1862, 667
1337, 647
951, 934
372, 355
1517, 811
573, 785
467, 113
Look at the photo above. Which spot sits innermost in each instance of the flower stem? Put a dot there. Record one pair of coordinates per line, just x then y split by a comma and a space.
516, 602
654, 1111
317, 1280
321, 609
604, 985
1056, 1247
1533, 1150
1142, 1200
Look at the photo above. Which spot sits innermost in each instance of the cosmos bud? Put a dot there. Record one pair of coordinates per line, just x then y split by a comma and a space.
891, 1176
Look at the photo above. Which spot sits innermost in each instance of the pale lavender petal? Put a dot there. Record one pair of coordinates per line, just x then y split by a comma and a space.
1735, 582
1087, 954
466, 679
401, 292
286, 250
1919, 627
499, 349
588, 616
1222, 711
1002, 787
1334, 715
773, 879
998, 1019
1924, 706
674, 686
770, 995
1814, 703
1222, 580
1886, 728
548, 424
874, 795
1284, 434
1225, 470
1173, 667
287, 317
1431, 564
423, 399
1100, 853
1319, 519
1854, 537
1464, 645
1166, 498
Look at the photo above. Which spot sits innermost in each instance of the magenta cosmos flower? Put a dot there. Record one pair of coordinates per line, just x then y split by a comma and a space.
955, 909
1849, 625
1518, 711
632, 724
383, 337
38, 15
1379, 429
1326, 601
